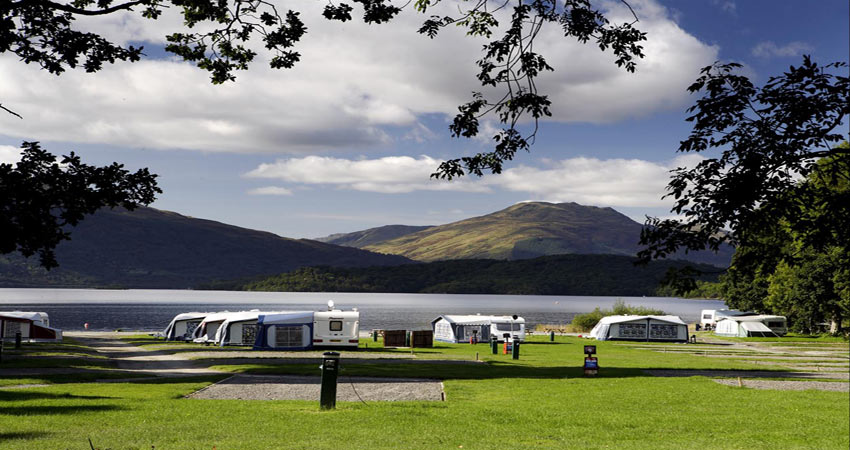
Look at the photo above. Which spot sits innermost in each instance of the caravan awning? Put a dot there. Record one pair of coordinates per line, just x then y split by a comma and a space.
756, 327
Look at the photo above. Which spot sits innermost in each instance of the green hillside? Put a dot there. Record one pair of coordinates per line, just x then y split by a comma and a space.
149, 248
529, 230
360, 239
548, 275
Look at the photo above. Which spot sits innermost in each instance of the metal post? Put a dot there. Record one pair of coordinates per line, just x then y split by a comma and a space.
515, 349
18, 340
494, 344
330, 371
551, 336
2, 336
375, 336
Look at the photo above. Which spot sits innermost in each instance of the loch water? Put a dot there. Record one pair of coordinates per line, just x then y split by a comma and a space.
151, 310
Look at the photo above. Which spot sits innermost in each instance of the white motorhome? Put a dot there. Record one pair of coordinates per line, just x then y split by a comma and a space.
710, 317
336, 328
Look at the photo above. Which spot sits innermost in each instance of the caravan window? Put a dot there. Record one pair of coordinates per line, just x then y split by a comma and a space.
336, 325
289, 336
507, 326
249, 333
663, 331
775, 324
706, 316
630, 330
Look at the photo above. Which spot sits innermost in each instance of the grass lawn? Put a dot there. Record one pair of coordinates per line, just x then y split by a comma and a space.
539, 401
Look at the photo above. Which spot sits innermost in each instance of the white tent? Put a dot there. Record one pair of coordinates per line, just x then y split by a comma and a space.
239, 329
757, 325
291, 330
460, 328
206, 330
182, 326
32, 325
641, 328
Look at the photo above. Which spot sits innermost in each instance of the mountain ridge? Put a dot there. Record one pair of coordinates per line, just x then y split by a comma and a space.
528, 230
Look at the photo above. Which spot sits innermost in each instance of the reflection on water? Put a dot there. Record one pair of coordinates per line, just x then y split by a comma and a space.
151, 310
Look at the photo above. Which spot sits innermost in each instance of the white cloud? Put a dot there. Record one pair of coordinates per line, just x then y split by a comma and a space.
612, 182
270, 190
769, 49
728, 6
388, 175
353, 83
9, 154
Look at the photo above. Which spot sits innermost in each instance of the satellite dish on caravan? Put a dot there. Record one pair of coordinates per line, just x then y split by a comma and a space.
330, 305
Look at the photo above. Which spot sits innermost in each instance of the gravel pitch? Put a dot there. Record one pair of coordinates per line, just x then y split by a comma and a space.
788, 385
286, 387
745, 374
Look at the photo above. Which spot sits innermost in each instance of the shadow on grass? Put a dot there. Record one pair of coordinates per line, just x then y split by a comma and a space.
23, 395
23, 435
55, 410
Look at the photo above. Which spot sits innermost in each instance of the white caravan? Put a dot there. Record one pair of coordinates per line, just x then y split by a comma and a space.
32, 325
336, 328
710, 317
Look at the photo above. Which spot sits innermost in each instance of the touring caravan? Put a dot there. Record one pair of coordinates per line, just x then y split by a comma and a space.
291, 330
641, 328
182, 326
32, 325
710, 317
756, 325
336, 328
461, 328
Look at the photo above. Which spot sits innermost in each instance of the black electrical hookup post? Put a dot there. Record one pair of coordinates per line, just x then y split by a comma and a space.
330, 371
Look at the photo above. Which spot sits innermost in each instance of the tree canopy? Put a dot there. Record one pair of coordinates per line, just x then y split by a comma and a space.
224, 37
40, 198
758, 143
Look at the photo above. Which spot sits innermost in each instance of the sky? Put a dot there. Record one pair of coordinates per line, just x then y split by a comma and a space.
347, 139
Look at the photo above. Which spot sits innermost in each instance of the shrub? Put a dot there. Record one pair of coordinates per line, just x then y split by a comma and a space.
586, 322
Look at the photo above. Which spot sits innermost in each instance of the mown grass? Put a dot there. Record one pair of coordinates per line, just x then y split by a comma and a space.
538, 402
789, 338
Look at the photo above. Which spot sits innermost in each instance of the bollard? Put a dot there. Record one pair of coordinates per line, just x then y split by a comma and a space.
551, 336
330, 371
18, 340
375, 336
515, 349
494, 345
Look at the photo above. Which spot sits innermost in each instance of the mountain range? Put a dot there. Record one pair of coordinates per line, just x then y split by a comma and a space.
150, 248
522, 231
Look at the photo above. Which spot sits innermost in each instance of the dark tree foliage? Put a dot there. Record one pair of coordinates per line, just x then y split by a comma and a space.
758, 143
40, 198
41, 32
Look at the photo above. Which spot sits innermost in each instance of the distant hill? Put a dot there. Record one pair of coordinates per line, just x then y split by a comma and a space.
360, 239
529, 230
150, 248
547, 275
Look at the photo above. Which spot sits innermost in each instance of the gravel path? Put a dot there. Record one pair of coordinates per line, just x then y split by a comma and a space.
286, 387
788, 385
745, 374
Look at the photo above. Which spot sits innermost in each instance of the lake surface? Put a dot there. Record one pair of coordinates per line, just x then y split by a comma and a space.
151, 310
